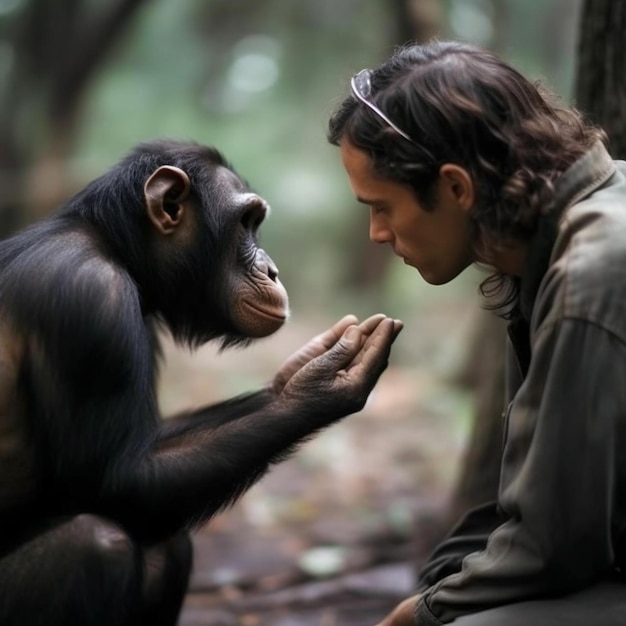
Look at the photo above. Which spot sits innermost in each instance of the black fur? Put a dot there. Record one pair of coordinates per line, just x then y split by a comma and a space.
90, 477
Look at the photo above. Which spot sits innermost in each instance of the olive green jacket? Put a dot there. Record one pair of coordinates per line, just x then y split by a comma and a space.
560, 520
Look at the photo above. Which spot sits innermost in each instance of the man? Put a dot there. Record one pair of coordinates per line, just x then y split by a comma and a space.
462, 160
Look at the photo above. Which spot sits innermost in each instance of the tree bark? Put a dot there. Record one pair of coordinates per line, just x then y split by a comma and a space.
601, 72
479, 470
479, 475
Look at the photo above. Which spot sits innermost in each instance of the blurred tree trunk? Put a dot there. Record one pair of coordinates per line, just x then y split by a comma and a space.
479, 469
501, 27
479, 473
600, 81
559, 35
57, 48
415, 21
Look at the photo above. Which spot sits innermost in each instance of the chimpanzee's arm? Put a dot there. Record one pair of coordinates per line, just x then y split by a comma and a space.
249, 403
223, 462
217, 414
93, 403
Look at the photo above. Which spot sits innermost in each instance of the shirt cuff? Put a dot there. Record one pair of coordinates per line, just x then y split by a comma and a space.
424, 616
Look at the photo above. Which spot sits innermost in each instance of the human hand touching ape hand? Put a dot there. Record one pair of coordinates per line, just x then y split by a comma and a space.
403, 614
335, 372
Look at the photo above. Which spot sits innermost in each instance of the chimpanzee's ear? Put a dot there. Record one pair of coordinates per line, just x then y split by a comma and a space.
165, 192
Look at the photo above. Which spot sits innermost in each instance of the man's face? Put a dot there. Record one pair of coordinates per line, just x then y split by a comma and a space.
437, 242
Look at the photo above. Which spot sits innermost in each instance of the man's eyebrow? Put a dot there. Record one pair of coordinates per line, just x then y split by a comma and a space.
367, 200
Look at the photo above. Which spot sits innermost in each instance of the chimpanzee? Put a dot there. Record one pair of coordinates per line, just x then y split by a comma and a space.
97, 493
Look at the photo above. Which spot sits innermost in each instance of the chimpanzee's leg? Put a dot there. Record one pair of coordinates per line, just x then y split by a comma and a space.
167, 567
83, 570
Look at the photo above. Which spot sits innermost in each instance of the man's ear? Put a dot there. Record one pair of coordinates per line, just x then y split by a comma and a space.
165, 192
458, 184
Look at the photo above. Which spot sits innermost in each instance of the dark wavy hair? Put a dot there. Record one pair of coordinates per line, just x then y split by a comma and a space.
462, 104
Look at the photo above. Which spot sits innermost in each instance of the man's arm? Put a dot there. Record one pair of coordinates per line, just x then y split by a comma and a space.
565, 427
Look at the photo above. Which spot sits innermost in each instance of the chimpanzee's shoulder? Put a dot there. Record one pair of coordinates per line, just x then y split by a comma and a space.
60, 279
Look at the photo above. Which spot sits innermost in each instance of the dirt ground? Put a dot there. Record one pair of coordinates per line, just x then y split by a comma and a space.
332, 535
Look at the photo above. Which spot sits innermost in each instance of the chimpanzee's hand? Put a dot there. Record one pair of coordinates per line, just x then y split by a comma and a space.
314, 348
318, 345
339, 380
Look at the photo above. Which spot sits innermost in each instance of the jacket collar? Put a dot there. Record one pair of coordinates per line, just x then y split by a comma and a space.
582, 178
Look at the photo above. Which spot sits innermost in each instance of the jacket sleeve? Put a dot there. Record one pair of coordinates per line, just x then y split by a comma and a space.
565, 431
469, 535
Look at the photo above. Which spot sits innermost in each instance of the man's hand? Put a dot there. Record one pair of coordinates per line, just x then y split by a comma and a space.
403, 614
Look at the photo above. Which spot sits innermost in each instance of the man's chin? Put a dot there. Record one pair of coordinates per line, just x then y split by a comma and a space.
429, 277
438, 279
434, 280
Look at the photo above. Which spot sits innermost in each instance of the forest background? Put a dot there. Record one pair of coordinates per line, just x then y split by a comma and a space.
81, 82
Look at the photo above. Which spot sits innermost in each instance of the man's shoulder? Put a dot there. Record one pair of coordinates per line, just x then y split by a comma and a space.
586, 277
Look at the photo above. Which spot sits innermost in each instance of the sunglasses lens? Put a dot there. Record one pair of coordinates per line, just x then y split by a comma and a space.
363, 84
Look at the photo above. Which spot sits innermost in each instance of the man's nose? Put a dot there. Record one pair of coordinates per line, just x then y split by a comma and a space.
379, 232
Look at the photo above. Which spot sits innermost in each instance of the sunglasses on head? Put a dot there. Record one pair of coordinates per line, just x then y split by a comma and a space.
361, 84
